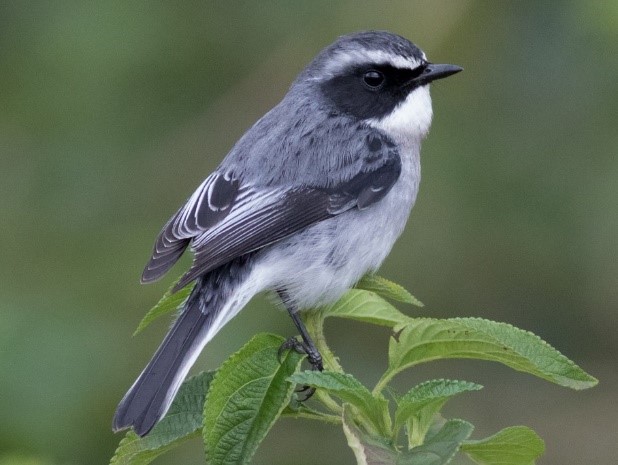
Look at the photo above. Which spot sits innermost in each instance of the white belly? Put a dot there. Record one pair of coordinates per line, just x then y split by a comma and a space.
318, 265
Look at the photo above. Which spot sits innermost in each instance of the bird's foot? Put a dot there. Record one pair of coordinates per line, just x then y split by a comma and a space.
313, 357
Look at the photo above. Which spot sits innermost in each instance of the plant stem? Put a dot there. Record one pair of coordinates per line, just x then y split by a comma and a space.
382, 383
315, 325
317, 416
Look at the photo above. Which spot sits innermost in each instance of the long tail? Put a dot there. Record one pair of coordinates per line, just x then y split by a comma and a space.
216, 298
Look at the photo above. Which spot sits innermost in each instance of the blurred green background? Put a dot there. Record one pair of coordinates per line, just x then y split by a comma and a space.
112, 112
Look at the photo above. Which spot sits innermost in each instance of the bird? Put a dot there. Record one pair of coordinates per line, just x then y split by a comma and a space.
310, 199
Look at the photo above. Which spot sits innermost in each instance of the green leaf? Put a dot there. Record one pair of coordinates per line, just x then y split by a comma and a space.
439, 449
517, 445
170, 302
368, 450
387, 289
246, 397
350, 390
427, 339
417, 408
183, 421
366, 306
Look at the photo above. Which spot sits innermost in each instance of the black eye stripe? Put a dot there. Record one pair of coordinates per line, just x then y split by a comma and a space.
394, 76
359, 92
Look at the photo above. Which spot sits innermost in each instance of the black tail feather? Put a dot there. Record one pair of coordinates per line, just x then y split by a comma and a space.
149, 398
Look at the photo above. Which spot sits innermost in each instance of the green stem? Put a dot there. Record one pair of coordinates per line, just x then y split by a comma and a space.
314, 321
315, 325
317, 416
383, 382
328, 401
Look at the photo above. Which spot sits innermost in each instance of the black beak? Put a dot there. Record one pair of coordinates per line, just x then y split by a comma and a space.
433, 72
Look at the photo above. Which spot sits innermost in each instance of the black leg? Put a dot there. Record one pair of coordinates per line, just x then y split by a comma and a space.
306, 346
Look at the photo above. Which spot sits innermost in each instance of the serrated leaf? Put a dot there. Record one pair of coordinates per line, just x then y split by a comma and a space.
517, 445
427, 339
183, 421
366, 306
387, 289
439, 449
246, 397
350, 390
417, 408
170, 302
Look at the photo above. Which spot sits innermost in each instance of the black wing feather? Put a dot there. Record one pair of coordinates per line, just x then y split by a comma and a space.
224, 219
370, 187
293, 211
209, 205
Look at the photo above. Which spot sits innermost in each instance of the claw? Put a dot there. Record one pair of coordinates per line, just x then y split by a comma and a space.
305, 347
308, 391
291, 344
313, 356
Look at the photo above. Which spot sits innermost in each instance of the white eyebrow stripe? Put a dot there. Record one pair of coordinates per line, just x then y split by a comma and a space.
344, 59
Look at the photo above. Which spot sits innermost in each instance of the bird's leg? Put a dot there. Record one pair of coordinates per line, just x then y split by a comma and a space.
306, 346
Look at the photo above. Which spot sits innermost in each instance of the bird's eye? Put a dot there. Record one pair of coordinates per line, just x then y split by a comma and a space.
373, 79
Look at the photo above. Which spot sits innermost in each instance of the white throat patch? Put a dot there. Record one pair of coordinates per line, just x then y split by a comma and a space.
410, 120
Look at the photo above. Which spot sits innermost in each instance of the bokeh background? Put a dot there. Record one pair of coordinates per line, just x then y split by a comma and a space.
112, 112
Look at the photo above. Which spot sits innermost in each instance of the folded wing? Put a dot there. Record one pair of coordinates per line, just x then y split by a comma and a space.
226, 218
